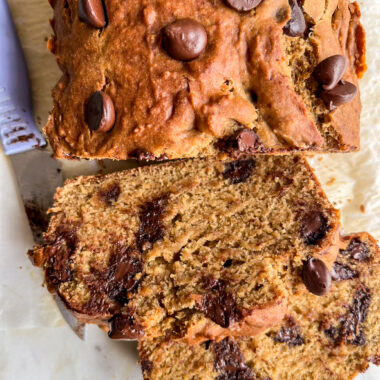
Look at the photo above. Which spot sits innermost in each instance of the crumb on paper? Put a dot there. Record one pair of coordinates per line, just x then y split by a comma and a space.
362, 208
331, 181
320, 158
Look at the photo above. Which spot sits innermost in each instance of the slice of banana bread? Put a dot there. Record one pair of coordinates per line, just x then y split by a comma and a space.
186, 78
322, 338
197, 249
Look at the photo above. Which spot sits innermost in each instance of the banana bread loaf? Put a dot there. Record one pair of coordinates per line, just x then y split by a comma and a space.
322, 338
173, 78
195, 249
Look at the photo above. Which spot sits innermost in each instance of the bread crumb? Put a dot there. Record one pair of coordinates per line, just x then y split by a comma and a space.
331, 181
362, 209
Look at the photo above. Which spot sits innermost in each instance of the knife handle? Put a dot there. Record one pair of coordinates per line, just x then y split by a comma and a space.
18, 131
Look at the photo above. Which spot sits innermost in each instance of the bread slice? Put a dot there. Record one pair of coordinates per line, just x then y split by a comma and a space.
332, 337
251, 89
195, 249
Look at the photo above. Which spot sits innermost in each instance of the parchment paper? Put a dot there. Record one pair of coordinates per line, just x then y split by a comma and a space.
35, 343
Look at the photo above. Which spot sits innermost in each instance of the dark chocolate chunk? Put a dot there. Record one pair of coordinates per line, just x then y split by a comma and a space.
110, 194
227, 263
357, 250
184, 39
296, 26
330, 71
151, 227
100, 112
289, 334
146, 365
314, 226
229, 361
342, 93
243, 5
242, 142
341, 272
350, 330
316, 277
92, 13
60, 248
218, 304
239, 171
124, 326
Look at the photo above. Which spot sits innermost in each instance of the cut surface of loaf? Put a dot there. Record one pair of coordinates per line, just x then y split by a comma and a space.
196, 249
321, 338
130, 89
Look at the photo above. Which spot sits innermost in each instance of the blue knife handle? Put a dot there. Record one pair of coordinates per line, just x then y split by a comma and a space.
18, 131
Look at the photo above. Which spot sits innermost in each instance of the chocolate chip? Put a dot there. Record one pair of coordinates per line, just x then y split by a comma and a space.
296, 26
218, 304
341, 272
146, 365
243, 5
144, 155
124, 326
151, 227
244, 141
239, 171
227, 263
229, 361
289, 334
316, 277
344, 92
110, 194
330, 71
314, 226
184, 39
92, 13
357, 250
100, 112
375, 359
351, 329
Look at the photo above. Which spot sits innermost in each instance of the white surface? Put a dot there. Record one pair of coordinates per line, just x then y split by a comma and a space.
35, 343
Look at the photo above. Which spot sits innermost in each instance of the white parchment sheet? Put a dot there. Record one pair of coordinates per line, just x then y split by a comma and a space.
35, 343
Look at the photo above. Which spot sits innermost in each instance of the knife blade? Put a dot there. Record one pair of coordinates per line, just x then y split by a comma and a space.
38, 175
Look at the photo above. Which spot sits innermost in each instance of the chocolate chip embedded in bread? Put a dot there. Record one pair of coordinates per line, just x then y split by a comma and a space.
146, 365
92, 13
239, 171
243, 5
316, 277
342, 93
124, 326
184, 39
357, 250
100, 112
289, 334
330, 71
314, 226
296, 26
109, 194
229, 361
341, 272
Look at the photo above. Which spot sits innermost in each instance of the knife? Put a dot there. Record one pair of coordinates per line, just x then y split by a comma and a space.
38, 175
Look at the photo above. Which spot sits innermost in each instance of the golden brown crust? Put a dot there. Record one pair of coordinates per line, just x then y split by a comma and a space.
182, 109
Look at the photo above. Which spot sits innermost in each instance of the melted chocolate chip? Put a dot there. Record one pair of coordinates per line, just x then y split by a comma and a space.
144, 155
289, 334
351, 329
92, 13
296, 26
242, 142
218, 304
243, 5
146, 365
123, 267
342, 93
314, 226
60, 248
100, 112
239, 171
330, 71
316, 277
184, 39
357, 250
341, 272
124, 326
229, 361
151, 227
110, 194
